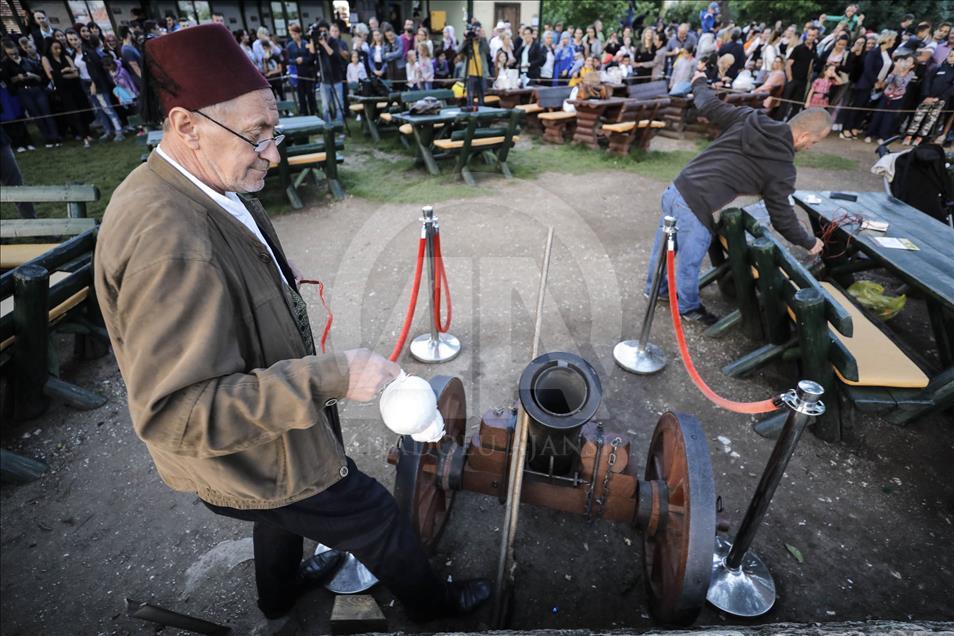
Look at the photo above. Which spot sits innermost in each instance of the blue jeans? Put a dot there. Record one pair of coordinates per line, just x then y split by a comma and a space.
692, 245
329, 104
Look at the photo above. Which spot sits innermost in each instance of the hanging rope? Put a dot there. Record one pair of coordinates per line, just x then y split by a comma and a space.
331, 317
765, 406
412, 305
440, 282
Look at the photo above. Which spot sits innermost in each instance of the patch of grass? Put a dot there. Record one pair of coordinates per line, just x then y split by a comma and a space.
661, 166
824, 161
104, 165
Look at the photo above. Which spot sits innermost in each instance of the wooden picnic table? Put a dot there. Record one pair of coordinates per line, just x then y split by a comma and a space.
929, 269
371, 110
588, 114
300, 129
423, 127
509, 98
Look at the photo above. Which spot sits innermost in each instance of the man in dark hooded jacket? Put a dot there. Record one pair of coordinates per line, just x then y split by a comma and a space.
754, 154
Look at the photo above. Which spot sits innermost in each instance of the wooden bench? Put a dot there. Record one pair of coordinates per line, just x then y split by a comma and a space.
493, 143
557, 126
836, 343
75, 196
53, 291
635, 122
19, 253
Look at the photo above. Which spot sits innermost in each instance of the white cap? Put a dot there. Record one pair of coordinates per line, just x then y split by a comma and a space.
501, 25
409, 407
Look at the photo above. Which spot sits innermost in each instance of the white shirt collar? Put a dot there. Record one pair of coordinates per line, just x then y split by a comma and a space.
229, 202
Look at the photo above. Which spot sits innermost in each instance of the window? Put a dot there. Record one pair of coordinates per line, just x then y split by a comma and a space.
199, 12
13, 18
284, 14
91, 11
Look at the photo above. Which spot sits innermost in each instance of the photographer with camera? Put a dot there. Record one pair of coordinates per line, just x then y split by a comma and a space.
333, 58
303, 58
476, 52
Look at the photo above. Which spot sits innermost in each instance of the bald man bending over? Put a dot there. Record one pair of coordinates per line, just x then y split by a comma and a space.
753, 154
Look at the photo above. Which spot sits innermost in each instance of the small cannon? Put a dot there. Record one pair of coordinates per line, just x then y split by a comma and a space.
574, 465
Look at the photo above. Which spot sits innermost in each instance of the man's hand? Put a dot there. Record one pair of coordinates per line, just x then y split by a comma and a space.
817, 247
368, 373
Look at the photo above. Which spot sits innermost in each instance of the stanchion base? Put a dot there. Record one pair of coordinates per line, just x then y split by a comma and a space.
444, 349
748, 591
646, 361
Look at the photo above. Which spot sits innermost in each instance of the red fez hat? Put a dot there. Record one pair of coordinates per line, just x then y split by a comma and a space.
200, 66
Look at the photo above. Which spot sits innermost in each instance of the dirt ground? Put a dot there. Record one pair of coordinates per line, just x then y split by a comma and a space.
872, 519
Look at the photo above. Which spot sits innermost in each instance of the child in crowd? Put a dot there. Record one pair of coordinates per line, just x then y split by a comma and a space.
413, 73
626, 65
442, 69
356, 71
126, 90
821, 88
425, 66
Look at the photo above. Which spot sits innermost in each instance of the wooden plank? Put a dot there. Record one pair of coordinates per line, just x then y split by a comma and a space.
49, 194
814, 343
56, 258
26, 228
357, 614
741, 272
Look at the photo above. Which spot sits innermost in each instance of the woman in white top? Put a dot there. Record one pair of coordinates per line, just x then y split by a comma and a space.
546, 71
244, 41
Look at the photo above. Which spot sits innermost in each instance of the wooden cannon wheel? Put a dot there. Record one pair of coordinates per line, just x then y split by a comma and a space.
420, 491
679, 539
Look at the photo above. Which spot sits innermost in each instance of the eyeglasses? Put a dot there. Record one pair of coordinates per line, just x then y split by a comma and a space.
259, 146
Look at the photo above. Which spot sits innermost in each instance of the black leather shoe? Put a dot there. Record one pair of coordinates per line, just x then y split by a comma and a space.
320, 568
463, 597
460, 598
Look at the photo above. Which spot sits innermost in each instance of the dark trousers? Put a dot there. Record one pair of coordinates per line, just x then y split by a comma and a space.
475, 88
795, 91
854, 119
307, 103
356, 514
37, 103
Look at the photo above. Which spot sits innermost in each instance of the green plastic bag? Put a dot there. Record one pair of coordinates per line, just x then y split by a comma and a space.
871, 296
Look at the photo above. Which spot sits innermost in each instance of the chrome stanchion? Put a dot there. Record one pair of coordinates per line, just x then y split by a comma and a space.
741, 583
641, 356
435, 346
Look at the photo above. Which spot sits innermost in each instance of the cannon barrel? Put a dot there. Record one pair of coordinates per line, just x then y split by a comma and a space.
560, 393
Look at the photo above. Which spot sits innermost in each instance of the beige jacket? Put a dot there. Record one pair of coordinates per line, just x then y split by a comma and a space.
221, 387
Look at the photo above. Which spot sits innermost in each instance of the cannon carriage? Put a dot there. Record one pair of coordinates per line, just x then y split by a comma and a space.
574, 465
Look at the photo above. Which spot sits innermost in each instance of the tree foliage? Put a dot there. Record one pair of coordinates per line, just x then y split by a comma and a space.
583, 12
879, 14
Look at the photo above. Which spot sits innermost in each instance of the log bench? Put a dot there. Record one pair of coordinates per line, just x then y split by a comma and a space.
549, 100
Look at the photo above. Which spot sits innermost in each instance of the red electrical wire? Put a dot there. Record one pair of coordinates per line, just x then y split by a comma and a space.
828, 231
440, 282
764, 406
331, 317
409, 316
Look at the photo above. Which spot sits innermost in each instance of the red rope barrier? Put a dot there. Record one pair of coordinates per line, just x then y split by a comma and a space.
412, 305
440, 282
764, 406
331, 317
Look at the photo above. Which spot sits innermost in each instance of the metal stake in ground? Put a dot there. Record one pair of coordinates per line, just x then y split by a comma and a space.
641, 356
435, 346
741, 583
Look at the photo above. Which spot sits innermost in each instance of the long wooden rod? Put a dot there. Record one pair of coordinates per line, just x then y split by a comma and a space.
507, 563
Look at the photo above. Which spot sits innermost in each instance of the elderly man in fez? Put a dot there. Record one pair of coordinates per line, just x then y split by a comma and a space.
213, 341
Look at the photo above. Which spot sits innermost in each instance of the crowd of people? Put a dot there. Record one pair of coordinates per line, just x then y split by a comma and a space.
877, 82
